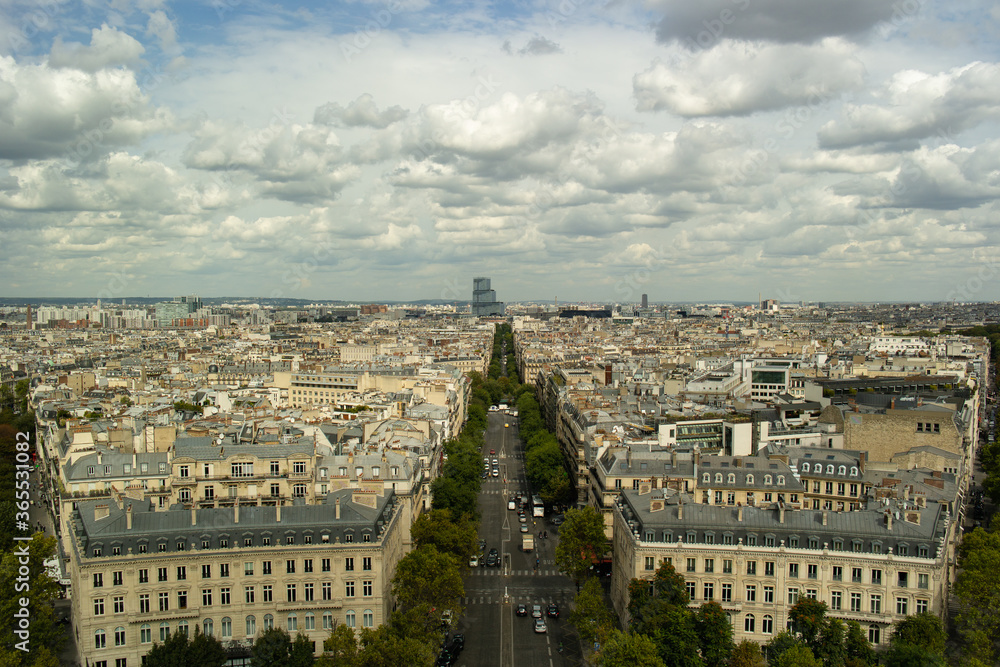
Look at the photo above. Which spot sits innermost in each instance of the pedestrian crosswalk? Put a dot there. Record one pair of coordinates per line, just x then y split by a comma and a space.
563, 599
498, 572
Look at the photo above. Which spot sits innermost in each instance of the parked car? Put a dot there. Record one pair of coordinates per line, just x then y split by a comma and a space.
474, 561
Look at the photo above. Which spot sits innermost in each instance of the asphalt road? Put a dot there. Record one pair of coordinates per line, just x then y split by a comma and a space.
494, 635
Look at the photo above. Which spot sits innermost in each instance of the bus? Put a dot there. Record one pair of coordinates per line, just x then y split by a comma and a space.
537, 506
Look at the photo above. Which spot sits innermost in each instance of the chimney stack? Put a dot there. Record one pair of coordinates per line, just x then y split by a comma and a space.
236, 512
337, 510
826, 517
194, 515
277, 511
888, 521
128, 517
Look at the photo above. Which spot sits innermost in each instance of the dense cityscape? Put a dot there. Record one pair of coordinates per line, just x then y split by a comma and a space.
784, 476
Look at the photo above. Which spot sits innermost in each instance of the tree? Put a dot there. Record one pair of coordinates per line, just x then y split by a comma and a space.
271, 648
798, 656
858, 651
715, 634
382, 647
179, 650
582, 543
807, 616
436, 528
591, 615
41, 592
923, 630
911, 655
673, 631
779, 644
626, 649
830, 643
746, 654
300, 654
977, 587
427, 576
340, 649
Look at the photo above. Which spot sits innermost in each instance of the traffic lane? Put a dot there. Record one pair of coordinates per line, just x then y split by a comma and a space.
481, 625
531, 648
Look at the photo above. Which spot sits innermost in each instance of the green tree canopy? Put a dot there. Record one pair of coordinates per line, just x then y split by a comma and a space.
42, 591
591, 615
582, 543
179, 650
807, 616
746, 654
340, 649
427, 576
626, 649
437, 528
799, 655
715, 634
922, 630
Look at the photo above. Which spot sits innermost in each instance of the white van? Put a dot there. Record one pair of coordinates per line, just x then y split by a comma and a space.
512, 504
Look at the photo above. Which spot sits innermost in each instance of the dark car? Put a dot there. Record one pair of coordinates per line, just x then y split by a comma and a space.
553, 610
444, 658
522, 610
456, 645
491, 561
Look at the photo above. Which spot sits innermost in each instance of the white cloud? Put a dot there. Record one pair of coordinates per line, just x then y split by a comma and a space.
739, 78
108, 47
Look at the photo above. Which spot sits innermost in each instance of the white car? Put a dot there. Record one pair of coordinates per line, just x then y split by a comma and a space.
474, 561
540, 626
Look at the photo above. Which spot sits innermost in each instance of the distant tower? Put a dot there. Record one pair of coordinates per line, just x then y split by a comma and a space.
484, 299
645, 301
28, 320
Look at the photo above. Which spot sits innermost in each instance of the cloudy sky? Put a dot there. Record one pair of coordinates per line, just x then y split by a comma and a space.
392, 150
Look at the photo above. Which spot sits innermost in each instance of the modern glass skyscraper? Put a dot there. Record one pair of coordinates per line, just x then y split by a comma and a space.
484, 299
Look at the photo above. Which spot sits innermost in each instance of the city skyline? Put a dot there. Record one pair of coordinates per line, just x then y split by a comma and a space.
393, 151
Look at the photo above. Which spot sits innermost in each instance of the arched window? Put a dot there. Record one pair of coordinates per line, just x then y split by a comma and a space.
369, 619
145, 633
207, 628
251, 626
748, 623
119, 636
100, 639
749, 479
805, 467
874, 634
730, 478
268, 622
854, 471
164, 631
349, 618
718, 478
310, 621
227, 628
767, 625
768, 480
706, 478
182, 627
293, 622
781, 480
829, 469
327, 620
842, 470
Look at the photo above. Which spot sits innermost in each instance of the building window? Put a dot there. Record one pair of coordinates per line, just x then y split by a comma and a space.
98, 580
206, 597
349, 564
182, 599
310, 621
836, 603
119, 603
290, 592
767, 625
793, 570
251, 626
874, 635
268, 622
325, 564
727, 592
100, 640
748, 623
268, 592
227, 628
307, 564
709, 591
752, 567
812, 571
145, 633
293, 622
876, 577
225, 596
709, 565
751, 593
856, 602
902, 579
224, 568
164, 601
793, 595
856, 575
369, 618
901, 605
265, 567
327, 620
649, 563
923, 581
98, 606
727, 567
164, 631
769, 594
206, 571
876, 604
207, 628
248, 594
922, 605
349, 618
161, 574
689, 586
691, 564
143, 576
144, 603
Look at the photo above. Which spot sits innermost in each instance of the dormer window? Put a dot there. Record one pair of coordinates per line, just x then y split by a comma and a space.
706, 478
718, 478
749, 479
375, 471
781, 480
805, 467
829, 469
854, 471
731, 478
842, 470
768, 480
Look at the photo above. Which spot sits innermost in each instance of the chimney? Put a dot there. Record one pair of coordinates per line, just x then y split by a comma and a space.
277, 512
906, 492
826, 517
862, 459
128, 517
892, 404
337, 510
236, 512
739, 513
781, 512
738, 462
194, 515
888, 521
